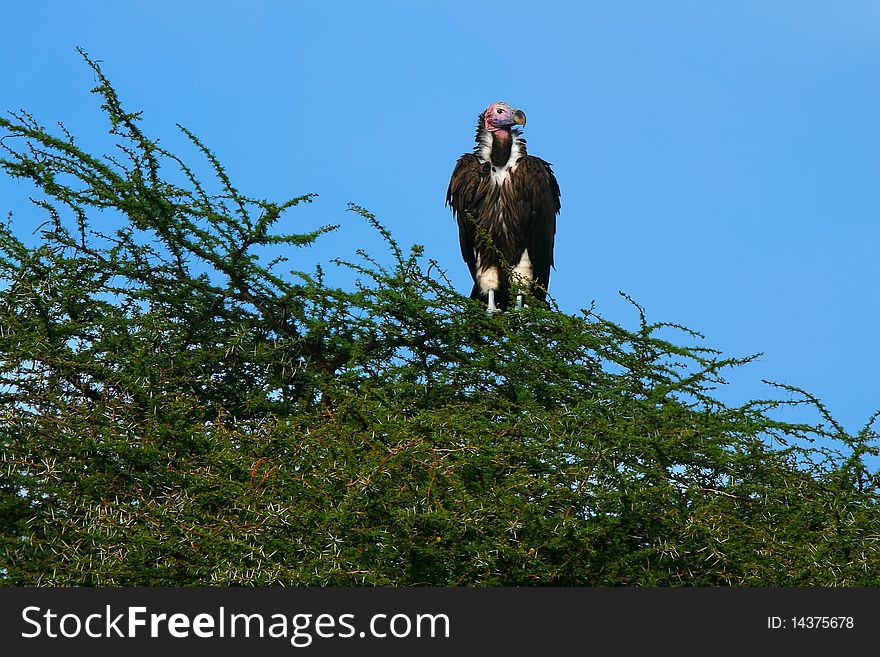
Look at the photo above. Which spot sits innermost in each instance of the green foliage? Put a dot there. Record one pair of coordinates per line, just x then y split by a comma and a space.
174, 410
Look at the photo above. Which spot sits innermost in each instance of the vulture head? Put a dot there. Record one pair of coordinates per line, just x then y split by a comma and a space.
501, 115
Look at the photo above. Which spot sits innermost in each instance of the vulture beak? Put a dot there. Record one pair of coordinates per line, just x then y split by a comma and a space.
519, 117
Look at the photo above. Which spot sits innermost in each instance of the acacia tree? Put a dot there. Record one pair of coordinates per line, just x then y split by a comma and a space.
174, 409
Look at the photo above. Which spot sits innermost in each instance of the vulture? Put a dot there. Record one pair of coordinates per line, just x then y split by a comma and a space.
505, 202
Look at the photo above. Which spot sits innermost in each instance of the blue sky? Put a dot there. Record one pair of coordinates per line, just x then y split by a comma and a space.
719, 162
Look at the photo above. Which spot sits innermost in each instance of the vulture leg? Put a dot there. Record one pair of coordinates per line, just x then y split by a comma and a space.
519, 301
492, 309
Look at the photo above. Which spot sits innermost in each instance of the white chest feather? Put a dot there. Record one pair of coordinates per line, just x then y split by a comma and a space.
500, 174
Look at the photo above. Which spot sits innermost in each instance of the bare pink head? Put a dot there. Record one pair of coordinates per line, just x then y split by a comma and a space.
500, 116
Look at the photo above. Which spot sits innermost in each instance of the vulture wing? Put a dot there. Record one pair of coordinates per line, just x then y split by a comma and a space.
538, 199
463, 196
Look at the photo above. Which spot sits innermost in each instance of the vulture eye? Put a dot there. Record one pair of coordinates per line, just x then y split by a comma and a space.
500, 111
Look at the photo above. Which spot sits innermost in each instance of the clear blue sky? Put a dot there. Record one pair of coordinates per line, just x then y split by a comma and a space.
719, 161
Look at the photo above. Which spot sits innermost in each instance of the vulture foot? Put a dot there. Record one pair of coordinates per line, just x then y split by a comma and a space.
492, 309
